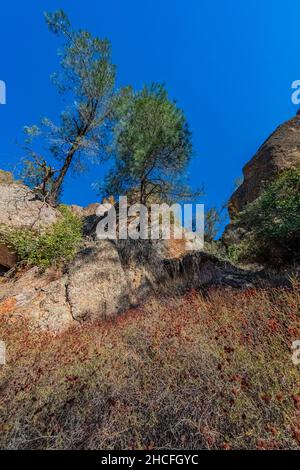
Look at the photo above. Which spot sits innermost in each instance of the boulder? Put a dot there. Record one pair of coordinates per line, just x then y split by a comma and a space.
8, 258
89, 217
280, 151
97, 284
20, 207
40, 299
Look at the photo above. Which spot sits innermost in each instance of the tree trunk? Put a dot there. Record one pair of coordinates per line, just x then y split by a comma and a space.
143, 192
54, 194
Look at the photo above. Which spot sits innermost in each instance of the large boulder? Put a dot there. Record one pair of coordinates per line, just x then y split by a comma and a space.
20, 207
280, 151
97, 284
39, 299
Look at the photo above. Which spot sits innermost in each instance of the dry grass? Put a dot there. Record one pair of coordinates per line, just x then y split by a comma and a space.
191, 373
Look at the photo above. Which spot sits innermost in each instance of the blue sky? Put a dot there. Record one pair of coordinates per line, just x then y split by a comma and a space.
229, 64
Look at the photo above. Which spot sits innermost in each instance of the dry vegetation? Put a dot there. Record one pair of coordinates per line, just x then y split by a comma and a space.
199, 372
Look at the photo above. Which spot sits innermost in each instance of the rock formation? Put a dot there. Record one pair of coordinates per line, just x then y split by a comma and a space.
280, 151
19, 207
105, 278
98, 285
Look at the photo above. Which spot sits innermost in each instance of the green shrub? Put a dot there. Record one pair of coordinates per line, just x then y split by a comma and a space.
57, 245
272, 221
6, 177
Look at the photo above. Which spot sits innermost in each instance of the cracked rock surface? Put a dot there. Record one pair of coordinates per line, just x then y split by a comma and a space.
98, 285
105, 278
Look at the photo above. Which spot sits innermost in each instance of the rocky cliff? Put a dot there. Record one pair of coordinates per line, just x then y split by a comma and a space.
105, 278
280, 151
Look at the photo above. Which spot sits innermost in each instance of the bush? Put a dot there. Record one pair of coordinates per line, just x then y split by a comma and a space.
272, 221
6, 177
57, 245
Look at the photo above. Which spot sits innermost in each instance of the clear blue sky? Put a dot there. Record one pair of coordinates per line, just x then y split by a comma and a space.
229, 64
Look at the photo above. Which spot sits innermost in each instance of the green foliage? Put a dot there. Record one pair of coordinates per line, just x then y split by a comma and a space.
6, 177
56, 245
272, 221
87, 80
153, 147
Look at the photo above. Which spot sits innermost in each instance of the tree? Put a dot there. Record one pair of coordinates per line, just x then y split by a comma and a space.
212, 224
87, 80
152, 147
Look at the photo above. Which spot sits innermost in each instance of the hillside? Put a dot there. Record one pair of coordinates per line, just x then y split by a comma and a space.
200, 371
138, 344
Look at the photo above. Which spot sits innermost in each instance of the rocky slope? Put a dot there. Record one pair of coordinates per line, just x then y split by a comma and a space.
105, 278
98, 284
